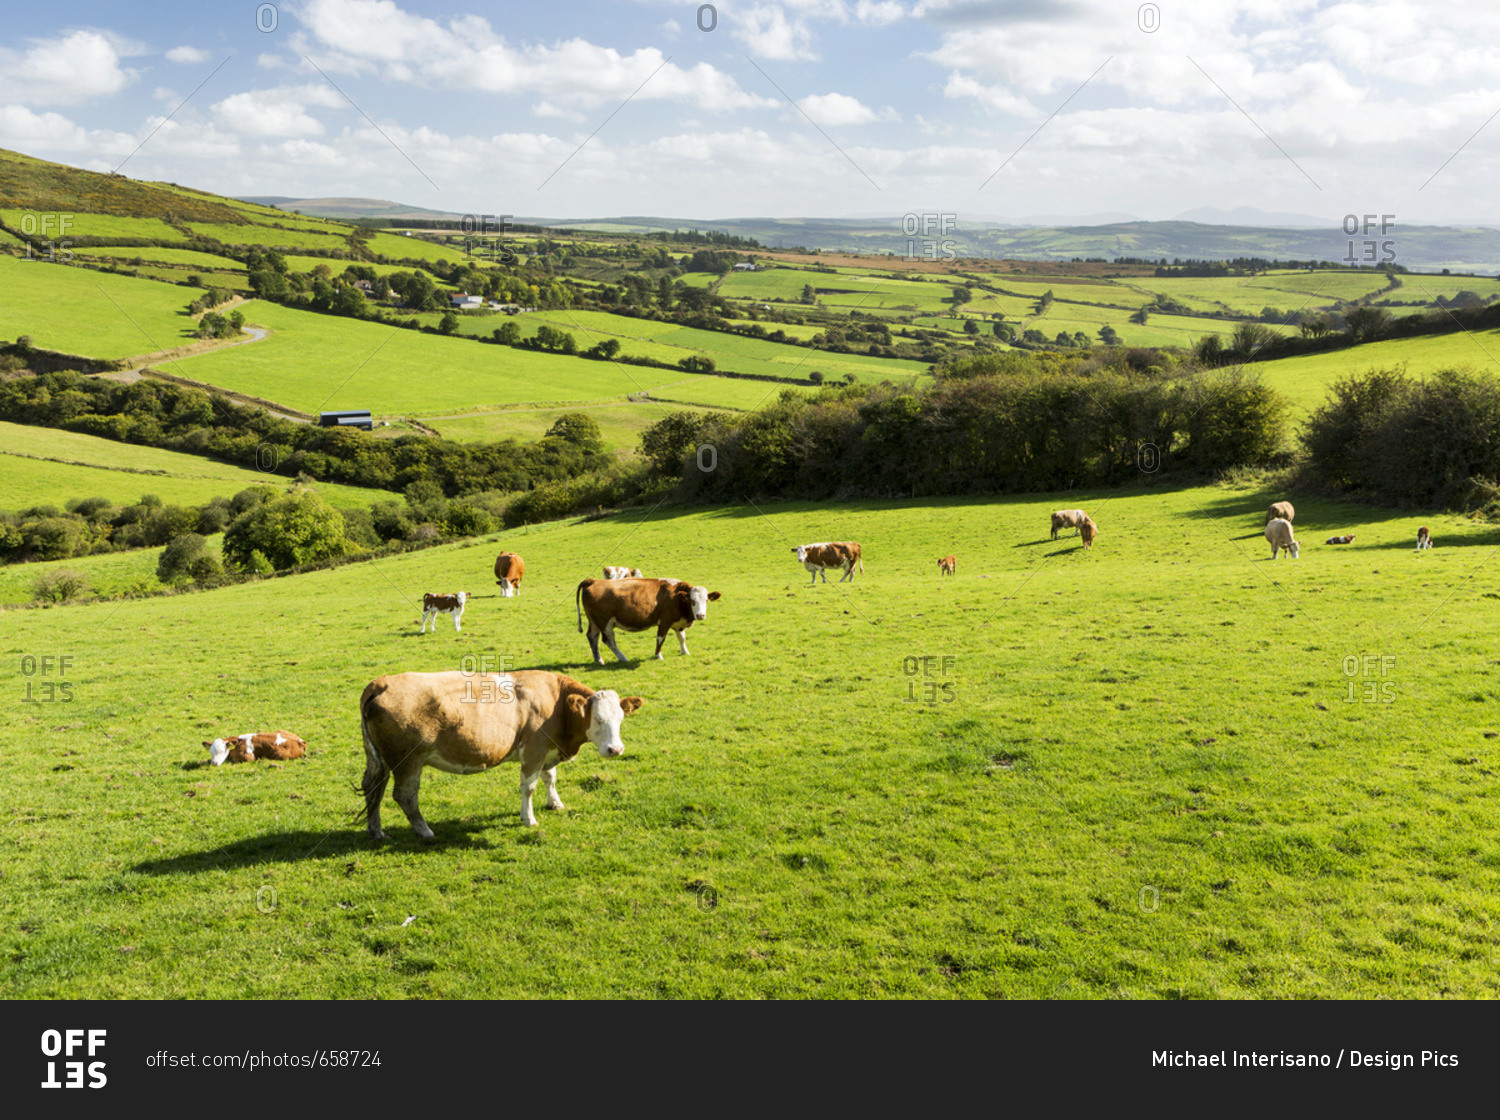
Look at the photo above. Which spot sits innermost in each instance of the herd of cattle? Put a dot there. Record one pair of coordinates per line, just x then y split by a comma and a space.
410, 721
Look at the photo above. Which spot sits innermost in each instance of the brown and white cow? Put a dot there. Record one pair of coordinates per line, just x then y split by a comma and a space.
1088, 531
639, 604
948, 565
278, 746
1424, 538
622, 573
1068, 519
534, 717
1349, 539
817, 558
434, 605
509, 568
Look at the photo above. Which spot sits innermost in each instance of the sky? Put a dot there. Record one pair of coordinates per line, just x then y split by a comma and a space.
988, 109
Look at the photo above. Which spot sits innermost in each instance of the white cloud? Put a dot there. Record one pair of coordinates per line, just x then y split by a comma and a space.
187, 54
839, 108
281, 111
878, 13
363, 36
768, 33
66, 71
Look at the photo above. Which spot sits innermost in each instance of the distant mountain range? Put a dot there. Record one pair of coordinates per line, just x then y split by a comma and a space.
1204, 233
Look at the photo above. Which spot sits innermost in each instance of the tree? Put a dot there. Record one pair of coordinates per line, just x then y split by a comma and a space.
176, 562
448, 323
293, 529
971, 327
1366, 323
1140, 316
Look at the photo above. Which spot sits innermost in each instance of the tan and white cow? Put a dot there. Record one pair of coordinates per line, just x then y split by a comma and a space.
622, 573
948, 565
462, 723
509, 568
817, 558
278, 746
1068, 519
434, 605
639, 604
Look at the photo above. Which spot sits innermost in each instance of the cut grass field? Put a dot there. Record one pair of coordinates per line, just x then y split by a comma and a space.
47, 465
1142, 771
620, 425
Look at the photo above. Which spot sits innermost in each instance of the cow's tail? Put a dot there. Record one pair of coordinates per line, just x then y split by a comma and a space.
377, 773
578, 605
860, 556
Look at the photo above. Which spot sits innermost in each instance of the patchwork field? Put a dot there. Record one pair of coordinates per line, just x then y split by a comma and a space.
1166, 767
620, 425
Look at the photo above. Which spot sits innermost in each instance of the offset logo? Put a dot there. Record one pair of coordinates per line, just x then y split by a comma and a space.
74, 1044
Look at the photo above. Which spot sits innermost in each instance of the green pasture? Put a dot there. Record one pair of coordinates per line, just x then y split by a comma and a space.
397, 247
1105, 292
313, 362
48, 465
108, 573
1248, 295
620, 425
296, 263
1166, 767
164, 256
53, 225
95, 314
1429, 288
269, 236
1305, 379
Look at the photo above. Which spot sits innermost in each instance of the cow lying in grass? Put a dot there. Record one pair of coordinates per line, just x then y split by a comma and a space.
279, 746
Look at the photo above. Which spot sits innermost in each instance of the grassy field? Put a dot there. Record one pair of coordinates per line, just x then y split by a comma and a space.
344, 363
61, 225
95, 314
1167, 767
1306, 379
165, 256
620, 425
108, 573
397, 247
40, 465
270, 237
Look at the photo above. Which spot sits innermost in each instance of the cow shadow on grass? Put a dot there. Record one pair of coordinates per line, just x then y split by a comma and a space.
344, 841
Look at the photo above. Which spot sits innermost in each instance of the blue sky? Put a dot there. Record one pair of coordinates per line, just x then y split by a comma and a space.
1001, 109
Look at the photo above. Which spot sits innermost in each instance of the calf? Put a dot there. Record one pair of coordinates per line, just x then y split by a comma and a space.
622, 573
413, 720
817, 558
509, 568
1424, 538
948, 565
434, 605
639, 604
277, 745
1340, 540
1088, 531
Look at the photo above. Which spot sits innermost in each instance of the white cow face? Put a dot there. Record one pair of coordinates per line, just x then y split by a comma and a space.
218, 751
699, 598
1294, 549
605, 716
801, 551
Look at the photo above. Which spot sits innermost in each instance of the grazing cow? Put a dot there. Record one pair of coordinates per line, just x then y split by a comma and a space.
639, 604
1283, 510
1424, 538
622, 573
434, 605
276, 745
817, 558
538, 718
1341, 540
1088, 531
1068, 519
509, 568
1279, 533
948, 565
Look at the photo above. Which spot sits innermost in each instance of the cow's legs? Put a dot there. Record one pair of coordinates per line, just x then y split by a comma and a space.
550, 778
594, 643
408, 786
609, 638
425, 615
848, 574
528, 784
682, 640
376, 777
456, 616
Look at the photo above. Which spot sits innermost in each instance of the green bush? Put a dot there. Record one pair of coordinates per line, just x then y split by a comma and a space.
293, 529
177, 559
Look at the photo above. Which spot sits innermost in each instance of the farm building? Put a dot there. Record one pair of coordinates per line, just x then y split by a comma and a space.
353, 418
